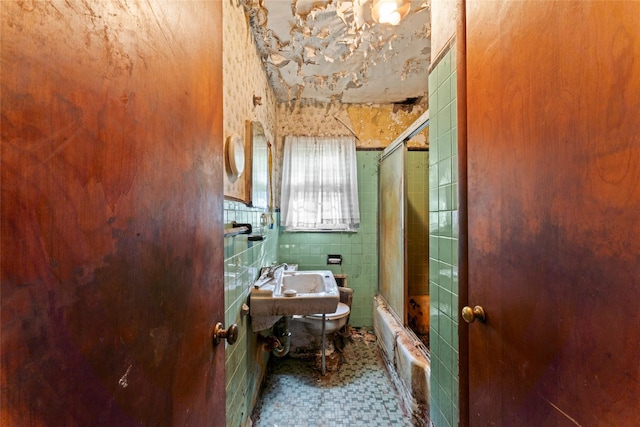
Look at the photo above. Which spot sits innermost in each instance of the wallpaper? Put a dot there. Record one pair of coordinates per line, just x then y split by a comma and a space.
243, 78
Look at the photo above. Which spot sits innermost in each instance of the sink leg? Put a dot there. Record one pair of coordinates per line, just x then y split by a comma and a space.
324, 320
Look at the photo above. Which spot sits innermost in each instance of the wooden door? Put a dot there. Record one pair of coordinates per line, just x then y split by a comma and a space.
112, 263
553, 146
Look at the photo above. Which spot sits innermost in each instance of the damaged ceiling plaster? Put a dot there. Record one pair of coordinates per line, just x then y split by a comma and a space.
332, 50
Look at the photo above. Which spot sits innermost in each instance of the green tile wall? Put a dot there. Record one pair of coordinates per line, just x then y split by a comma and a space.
245, 361
418, 222
443, 241
359, 250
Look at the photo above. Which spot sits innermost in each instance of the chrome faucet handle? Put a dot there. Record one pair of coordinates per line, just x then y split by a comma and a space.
272, 269
264, 272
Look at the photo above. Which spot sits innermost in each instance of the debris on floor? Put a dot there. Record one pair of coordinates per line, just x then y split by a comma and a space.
359, 392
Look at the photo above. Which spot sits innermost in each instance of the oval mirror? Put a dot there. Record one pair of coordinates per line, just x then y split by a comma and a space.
235, 155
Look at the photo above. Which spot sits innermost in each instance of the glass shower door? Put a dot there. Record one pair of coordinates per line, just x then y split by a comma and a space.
392, 283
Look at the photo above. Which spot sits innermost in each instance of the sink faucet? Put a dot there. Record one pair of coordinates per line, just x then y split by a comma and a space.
268, 273
272, 270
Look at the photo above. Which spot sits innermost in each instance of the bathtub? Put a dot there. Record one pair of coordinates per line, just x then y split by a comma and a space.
407, 359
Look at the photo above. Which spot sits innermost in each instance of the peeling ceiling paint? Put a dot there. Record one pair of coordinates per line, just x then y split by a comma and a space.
333, 51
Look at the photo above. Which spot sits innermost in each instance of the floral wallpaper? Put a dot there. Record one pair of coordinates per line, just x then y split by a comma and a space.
243, 78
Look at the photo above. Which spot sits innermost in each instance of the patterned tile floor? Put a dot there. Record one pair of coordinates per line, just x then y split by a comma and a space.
358, 393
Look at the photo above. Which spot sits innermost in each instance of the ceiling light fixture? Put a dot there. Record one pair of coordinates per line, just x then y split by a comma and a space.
389, 11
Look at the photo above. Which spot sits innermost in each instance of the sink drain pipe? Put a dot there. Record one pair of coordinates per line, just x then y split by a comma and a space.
285, 340
324, 338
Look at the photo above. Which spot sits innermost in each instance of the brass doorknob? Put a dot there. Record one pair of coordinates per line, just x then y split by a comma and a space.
469, 314
220, 333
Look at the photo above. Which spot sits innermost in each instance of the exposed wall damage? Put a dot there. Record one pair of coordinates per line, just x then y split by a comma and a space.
333, 51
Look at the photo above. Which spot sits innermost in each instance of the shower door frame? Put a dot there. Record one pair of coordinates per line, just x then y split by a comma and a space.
394, 226
400, 142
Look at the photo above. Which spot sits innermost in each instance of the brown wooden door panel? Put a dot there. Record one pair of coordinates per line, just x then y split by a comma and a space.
112, 263
553, 146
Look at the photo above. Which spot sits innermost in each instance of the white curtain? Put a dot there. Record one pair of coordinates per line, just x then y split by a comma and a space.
319, 184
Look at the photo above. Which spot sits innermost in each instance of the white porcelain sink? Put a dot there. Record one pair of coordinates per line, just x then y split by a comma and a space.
298, 292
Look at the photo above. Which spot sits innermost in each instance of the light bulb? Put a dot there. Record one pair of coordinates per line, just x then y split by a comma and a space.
389, 11
394, 18
387, 8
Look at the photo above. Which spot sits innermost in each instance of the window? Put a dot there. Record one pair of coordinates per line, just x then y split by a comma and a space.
319, 184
